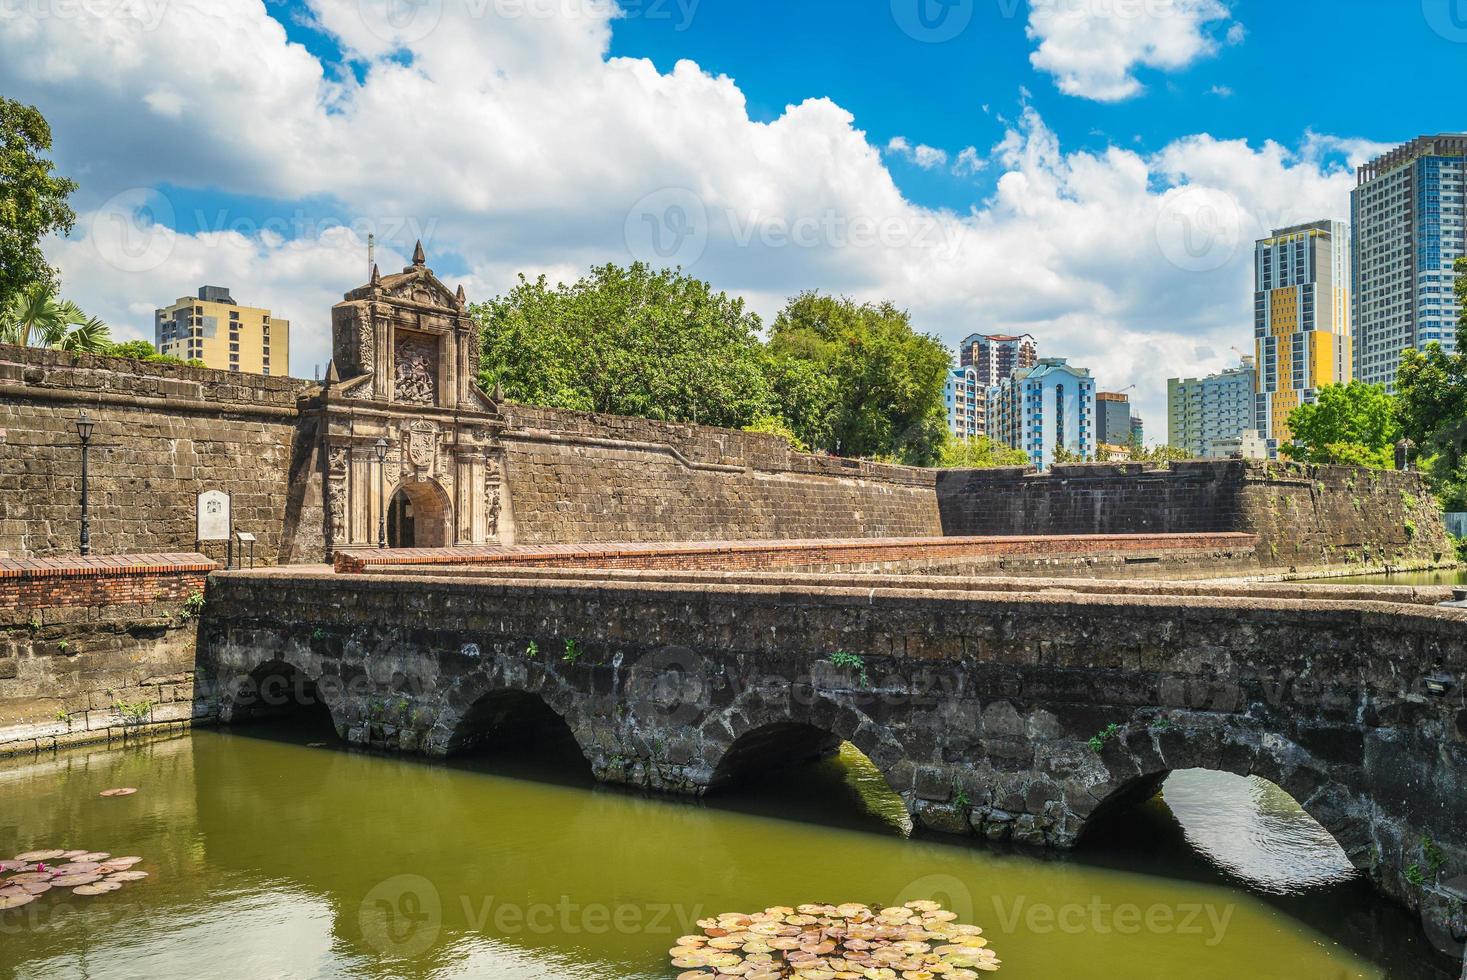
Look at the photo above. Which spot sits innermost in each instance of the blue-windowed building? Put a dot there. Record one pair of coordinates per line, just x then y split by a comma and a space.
1407, 231
1049, 405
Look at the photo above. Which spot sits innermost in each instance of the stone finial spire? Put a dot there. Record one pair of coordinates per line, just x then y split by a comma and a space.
419, 258
332, 377
376, 275
462, 296
498, 395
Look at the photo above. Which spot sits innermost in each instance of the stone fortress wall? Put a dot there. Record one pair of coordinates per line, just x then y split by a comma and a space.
1303, 516
167, 432
164, 433
579, 478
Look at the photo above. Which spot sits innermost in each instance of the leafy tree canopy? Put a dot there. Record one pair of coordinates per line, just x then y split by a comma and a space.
1353, 423
1160, 453
979, 454
36, 317
632, 341
32, 200
141, 350
773, 425
887, 378
1431, 405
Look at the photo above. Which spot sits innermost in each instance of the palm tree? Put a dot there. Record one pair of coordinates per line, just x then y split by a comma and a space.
35, 316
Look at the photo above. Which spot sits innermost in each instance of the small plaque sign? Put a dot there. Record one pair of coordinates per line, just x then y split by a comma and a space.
213, 516
245, 537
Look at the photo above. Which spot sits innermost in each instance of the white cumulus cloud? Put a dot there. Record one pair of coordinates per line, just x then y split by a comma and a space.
1093, 47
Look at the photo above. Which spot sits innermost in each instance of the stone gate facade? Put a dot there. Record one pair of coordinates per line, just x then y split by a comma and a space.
403, 380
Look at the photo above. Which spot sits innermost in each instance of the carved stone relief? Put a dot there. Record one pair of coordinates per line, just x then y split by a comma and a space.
417, 371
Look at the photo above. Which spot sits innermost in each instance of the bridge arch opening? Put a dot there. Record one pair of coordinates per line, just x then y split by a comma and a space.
519, 731
1245, 827
282, 694
802, 770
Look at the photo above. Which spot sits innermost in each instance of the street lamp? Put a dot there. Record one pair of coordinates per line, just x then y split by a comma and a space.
382, 492
84, 430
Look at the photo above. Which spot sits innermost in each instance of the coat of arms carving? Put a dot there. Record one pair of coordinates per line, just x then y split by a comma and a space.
422, 444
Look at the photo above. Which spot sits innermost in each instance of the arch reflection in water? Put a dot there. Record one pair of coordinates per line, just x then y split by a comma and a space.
1252, 830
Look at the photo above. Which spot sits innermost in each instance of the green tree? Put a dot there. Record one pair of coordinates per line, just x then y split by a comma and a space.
774, 425
141, 350
1160, 453
631, 341
805, 397
32, 200
1352, 423
1431, 404
980, 453
35, 317
1062, 454
887, 378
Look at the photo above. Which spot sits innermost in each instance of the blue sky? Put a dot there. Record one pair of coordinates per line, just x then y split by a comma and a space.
1037, 165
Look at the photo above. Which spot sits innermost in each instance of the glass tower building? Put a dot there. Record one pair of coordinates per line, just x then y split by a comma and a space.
1407, 216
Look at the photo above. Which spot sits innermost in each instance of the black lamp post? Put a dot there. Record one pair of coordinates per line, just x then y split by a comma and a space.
382, 492
84, 430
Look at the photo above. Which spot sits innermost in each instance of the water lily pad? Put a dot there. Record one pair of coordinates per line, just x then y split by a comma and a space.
98, 888
128, 876
30, 856
71, 881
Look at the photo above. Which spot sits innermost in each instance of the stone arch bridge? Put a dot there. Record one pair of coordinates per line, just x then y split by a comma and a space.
1010, 710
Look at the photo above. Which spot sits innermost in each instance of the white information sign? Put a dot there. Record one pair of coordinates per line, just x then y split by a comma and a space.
214, 520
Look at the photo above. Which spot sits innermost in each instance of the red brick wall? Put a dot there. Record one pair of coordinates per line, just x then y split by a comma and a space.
81, 636
34, 584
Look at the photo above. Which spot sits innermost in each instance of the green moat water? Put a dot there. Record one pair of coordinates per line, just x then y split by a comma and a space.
273, 857
1446, 576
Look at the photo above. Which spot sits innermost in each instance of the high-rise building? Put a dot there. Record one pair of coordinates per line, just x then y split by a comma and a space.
1041, 407
1301, 321
1204, 411
1113, 418
1407, 218
213, 328
1138, 430
966, 402
997, 356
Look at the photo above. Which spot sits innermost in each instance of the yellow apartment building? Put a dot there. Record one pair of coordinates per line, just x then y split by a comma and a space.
1301, 321
213, 328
